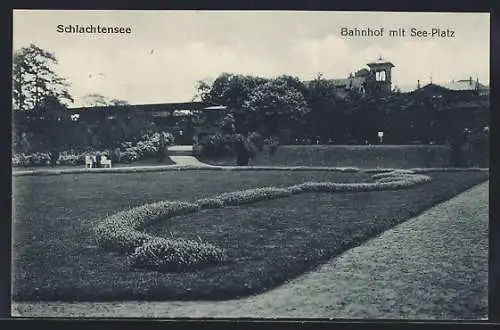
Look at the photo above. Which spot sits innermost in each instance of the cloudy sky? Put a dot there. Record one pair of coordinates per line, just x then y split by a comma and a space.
167, 52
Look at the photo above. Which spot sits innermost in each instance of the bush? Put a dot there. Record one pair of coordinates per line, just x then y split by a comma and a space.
120, 232
394, 181
175, 255
217, 145
252, 195
210, 203
148, 147
271, 145
35, 159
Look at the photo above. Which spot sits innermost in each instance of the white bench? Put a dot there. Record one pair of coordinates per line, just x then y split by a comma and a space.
105, 162
88, 162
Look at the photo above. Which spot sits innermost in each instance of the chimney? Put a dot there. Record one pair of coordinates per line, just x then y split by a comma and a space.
418, 84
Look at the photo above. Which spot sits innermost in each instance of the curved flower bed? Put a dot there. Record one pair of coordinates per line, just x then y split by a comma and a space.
122, 232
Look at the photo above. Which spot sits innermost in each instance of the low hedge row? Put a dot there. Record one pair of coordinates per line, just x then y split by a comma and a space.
175, 255
122, 232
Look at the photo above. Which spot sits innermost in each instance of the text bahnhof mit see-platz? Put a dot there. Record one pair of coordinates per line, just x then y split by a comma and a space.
399, 32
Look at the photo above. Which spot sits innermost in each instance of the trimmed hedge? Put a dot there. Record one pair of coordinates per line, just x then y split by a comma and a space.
252, 195
122, 232
175, 255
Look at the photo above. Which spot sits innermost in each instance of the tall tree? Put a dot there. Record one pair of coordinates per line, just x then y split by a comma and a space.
325, 117
275, 105
98, 100
229, 89
34, 78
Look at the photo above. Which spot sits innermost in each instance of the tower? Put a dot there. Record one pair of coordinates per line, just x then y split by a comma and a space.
381, 69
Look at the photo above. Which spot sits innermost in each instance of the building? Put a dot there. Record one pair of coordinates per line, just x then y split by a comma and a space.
465, 87
378, 72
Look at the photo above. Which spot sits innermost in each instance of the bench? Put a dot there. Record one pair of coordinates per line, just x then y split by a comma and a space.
88, 162
105, 162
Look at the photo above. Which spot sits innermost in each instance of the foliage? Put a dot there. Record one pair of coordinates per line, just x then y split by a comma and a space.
175, 255
34, 79
151, 145
95, 100
326, 107
275, 105
231, 90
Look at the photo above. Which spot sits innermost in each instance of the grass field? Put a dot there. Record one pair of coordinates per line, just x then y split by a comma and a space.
408, 272
392, 156
269, 243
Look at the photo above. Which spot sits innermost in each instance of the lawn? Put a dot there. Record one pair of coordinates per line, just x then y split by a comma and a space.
268, 243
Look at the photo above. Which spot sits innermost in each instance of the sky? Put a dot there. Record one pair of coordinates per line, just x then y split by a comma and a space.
167, 52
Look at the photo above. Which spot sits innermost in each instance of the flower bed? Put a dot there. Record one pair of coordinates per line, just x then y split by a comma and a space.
122, 231
147, 147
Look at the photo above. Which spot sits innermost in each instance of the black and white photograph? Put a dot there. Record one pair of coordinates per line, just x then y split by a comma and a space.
250, 164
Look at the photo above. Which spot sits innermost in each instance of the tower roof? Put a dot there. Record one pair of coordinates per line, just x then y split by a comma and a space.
380, 62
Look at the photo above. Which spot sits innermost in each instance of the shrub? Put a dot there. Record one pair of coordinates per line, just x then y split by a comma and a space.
120, 232
271, 144
216, 145
210, 203
34, 159
175, 255
397, 181
149, 146
252, 195
392, 174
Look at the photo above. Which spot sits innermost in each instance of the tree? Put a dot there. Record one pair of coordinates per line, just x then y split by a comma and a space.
275, 105
231, 90
118, 102
98, 100
34, 79
325, 116
51, 126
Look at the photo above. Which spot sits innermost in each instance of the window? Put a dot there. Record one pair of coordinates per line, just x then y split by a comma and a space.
380, 75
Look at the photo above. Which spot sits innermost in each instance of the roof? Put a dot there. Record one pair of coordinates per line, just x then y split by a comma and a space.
380, 62
406, 88
459, 85
349, 83
463, 85
145, 107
